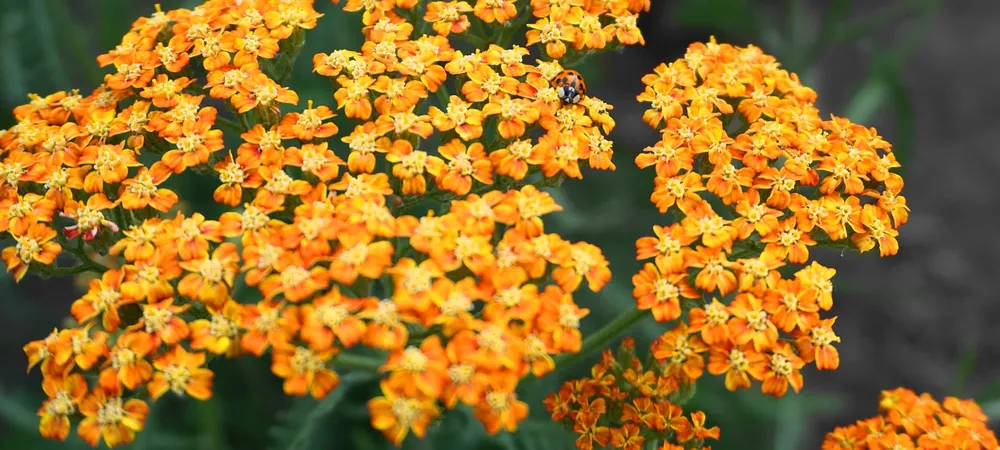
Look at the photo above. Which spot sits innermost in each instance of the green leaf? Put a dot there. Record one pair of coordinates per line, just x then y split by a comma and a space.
295, 428
966, 366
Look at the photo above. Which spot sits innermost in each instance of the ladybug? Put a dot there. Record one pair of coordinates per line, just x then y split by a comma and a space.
570, 86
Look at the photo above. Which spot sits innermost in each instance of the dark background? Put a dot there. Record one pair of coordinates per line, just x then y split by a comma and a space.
923, 72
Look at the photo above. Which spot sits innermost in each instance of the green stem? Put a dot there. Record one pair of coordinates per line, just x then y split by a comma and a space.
603, 337
357, 362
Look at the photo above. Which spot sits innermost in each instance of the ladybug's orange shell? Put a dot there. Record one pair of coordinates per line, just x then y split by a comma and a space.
571, 78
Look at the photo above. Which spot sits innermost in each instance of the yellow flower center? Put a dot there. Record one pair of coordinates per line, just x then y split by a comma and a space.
456, 303
385, 50
251, 43
668, 245
267, 320
305, 361
280, 182
232, 174
414, 360
177, 378
266, 93
509, 297
211, 270
89, 218
520, 149
789, 238
583, 261
550, 32
534, 348
107, 160
461, 164
499, 401
458, 112
568, 317
293, 276
738, 360
466, 247
664, 290
590, 24
189, 143
461, 373
716, 314
331, 316
106, 299
142, 186
253, 219
27, 248
156, 319
414, 163
60, 405
821, 336
354, 256
313, 161
492, 339
417, 280
309, 120
780, 365
10, 172
123, 357
682, 351
406, 411
221, 326
385, 313
757, 320
111, 412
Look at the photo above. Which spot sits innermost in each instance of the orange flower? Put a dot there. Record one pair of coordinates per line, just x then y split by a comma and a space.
585, 261
495, 10
127, 363
161, 321
331, 316
182, 373
395, 414
661, 292
263, 328
459, 116
559, 152
64, 394
751, 323
411, 165
680, 351
103, 298
353, 97
738, 363
500, 408
143, 189
89, 217
36, 245
295, 278
554, 34
304, 370
210, 279
357, 256
109, 417
110, 165
448, 17
817, 345
783, 371
218, 334
20, 212
463, 165
308, 124
421, 371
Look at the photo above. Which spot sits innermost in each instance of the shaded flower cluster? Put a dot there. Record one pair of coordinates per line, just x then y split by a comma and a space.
752, 178
909, 421
321, 251
625, 404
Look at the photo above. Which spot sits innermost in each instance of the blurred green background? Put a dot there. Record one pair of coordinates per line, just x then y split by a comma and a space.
50, 45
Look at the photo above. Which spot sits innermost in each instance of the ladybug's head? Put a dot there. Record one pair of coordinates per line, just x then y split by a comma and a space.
569, 94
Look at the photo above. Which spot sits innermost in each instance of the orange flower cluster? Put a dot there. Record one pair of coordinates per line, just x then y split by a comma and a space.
909, 421
752, 178
460, 303
625, 405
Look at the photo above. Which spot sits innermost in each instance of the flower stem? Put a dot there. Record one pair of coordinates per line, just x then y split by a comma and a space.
602, 337
361, 363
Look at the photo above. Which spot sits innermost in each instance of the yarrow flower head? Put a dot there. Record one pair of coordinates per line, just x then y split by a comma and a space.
412, 226
753, 179
908, 420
